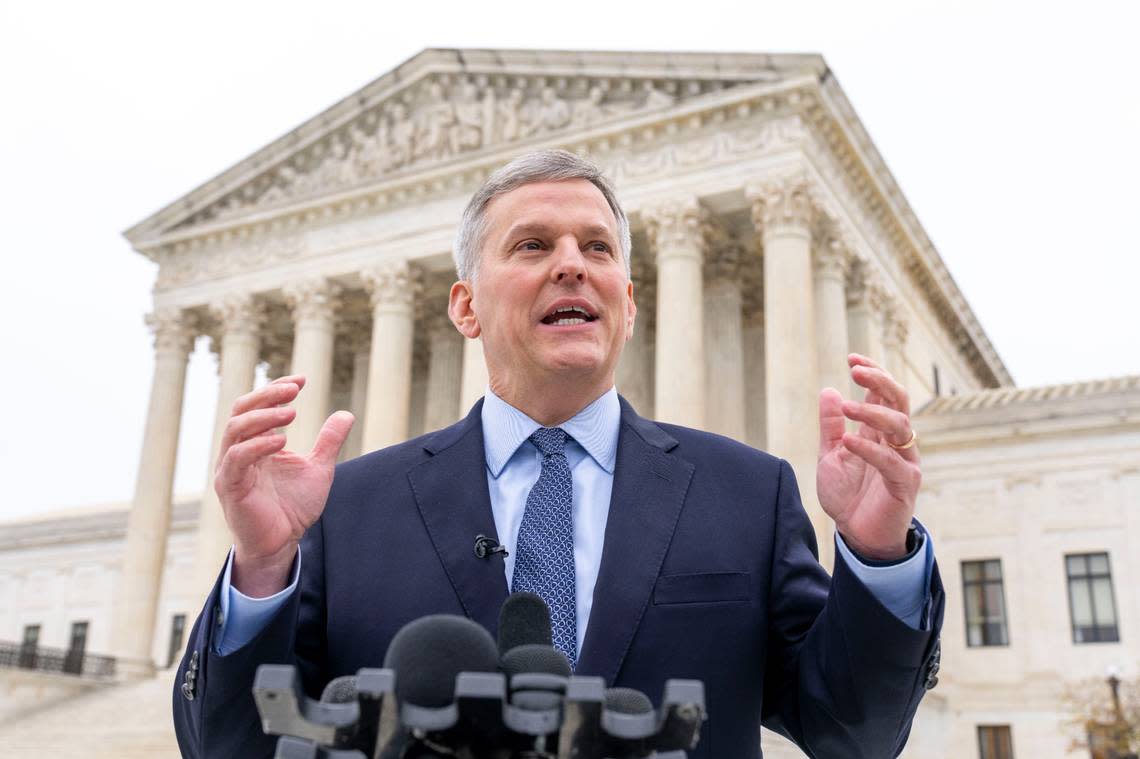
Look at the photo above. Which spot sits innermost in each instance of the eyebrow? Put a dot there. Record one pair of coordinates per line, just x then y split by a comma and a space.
526, 229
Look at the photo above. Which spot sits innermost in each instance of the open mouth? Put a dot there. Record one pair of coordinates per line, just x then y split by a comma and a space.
567, 316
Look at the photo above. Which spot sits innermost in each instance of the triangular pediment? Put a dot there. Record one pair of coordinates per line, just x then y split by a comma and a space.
446, 104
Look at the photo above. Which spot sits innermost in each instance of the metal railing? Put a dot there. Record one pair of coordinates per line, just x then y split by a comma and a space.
56, 660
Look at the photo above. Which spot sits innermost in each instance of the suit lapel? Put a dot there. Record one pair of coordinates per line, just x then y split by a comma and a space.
649, 489
450, 489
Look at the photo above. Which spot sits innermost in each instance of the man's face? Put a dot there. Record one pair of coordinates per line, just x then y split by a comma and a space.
551, 298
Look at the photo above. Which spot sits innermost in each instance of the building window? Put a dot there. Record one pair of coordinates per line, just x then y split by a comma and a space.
1091, 603
28, 646
985, 603
177, 631
73, 659
995, 742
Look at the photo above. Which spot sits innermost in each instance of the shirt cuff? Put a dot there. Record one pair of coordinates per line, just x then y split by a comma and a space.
244, 617
901, 587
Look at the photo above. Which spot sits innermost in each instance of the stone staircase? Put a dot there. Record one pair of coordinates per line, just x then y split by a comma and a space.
116, 721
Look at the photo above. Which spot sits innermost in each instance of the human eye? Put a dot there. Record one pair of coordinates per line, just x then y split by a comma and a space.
529, 245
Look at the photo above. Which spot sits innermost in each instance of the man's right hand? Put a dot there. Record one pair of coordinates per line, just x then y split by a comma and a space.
270, 496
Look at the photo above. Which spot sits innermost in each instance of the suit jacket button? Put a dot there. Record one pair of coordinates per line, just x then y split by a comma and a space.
188, 691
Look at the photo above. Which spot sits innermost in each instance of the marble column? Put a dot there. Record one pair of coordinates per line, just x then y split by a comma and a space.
755, 395
784, 210
445, 367
148, 524
894, 342
865, 298
241, 318
473, 378
314, 303
634, 375
724, 340
392, 287
361, 356
831, 268
677, 240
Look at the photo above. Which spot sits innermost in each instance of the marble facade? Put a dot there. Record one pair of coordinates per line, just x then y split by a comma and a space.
769, 240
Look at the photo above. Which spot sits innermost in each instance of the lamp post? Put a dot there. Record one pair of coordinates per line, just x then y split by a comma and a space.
1119, 729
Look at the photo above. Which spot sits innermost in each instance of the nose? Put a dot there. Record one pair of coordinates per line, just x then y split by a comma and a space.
569, 262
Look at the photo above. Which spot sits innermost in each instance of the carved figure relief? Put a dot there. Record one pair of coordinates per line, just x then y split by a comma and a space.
433, 122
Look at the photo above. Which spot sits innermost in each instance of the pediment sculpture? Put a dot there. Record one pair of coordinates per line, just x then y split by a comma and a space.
443, 117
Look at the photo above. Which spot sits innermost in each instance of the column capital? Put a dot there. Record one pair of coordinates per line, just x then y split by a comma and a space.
314, 298
174, 330
786, 201
393, 283
865, 288
832, 257
724, 254
895, 326
439, 325
239, 313
676, 224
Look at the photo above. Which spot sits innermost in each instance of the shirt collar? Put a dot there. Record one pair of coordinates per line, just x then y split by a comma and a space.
595, 428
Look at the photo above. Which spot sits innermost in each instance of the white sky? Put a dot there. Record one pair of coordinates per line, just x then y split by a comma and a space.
1012, 127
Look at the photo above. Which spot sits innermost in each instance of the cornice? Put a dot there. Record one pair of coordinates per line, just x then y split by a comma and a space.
847, 138
100, 526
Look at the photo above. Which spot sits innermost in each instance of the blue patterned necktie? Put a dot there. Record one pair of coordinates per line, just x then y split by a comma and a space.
544, 555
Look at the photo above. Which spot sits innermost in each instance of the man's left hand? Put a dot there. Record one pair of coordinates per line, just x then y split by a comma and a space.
864, 480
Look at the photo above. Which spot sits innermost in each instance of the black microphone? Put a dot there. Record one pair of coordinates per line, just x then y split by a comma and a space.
340, 690
524, 620
427, 655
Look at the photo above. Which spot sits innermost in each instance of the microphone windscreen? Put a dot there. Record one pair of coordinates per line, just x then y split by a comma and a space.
340, 690
535, 658
428, 653
524, 620
627, 701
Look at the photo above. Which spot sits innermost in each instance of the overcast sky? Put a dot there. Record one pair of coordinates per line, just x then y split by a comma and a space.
1012, 128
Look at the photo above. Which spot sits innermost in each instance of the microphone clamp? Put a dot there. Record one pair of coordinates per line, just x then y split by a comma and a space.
485, 546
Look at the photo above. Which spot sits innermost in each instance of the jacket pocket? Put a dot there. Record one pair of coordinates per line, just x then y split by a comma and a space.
707, 587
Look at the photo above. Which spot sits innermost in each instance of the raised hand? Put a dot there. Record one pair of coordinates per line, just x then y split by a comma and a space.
270, 496
868, 481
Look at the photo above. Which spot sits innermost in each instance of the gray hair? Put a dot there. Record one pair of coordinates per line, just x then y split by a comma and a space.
539, 166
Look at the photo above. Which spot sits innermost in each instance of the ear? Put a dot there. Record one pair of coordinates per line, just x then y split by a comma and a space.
631, 310
460, 309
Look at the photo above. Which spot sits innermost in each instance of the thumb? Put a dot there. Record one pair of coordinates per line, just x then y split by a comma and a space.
832, 423
331, 437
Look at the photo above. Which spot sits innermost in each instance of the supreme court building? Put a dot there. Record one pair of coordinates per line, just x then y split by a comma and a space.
769, 240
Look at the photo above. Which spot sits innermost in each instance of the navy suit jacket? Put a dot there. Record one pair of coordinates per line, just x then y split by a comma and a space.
708, 571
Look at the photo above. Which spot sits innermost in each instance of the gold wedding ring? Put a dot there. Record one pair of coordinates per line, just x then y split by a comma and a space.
908, 444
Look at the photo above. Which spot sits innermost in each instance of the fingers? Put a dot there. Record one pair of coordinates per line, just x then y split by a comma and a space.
831, 420
891, 425
277, 392
237, 460
876, 380
892, 466
258, 421
331, 437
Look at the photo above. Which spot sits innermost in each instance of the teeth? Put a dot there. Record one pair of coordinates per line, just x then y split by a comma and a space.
568, 321
566, 309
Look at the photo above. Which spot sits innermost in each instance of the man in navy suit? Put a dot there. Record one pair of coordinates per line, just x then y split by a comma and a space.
664, 551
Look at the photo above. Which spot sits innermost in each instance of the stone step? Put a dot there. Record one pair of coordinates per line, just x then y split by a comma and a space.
116, 721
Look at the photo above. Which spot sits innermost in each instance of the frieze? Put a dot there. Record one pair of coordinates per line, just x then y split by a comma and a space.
224, 254
443, 117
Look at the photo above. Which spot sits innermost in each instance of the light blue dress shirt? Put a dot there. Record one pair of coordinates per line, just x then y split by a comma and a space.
513, 466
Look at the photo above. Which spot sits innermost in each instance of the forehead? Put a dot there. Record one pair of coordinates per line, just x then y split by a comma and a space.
567, 201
